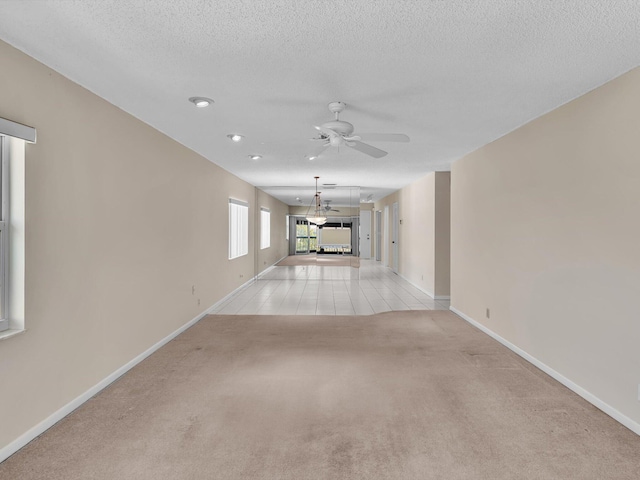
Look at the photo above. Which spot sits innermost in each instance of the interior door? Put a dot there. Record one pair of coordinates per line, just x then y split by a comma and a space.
365, 234
378, 243
395, 221
386, 237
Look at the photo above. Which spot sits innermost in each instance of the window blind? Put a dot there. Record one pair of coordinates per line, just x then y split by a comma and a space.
265, 228
238, 228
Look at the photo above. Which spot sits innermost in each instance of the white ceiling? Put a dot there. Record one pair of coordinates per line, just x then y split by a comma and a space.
453, 75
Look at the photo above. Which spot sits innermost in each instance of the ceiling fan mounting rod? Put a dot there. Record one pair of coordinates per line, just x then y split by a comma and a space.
337, 107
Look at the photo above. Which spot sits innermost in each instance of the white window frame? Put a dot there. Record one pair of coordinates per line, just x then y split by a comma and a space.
4, 234
13, 139
265, 228
286, 235
238, 228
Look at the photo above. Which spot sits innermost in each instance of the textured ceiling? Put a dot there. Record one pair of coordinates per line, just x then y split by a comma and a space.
453, 75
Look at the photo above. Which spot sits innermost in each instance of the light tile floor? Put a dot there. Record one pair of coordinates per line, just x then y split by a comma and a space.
328, 290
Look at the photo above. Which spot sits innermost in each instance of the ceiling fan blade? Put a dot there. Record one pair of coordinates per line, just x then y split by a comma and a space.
384, 137
326, 131
367, 149
318, 150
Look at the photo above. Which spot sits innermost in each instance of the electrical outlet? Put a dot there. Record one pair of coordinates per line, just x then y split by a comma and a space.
198, 302
488, 313
193, 289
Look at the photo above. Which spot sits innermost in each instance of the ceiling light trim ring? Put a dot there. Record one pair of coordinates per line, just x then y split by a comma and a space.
201, 102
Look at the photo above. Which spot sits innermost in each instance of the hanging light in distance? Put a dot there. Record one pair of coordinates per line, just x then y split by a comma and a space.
317, 216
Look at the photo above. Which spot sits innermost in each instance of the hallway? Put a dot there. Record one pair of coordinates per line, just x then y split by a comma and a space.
328, 290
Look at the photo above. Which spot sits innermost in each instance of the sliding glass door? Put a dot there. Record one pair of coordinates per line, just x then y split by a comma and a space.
306, 237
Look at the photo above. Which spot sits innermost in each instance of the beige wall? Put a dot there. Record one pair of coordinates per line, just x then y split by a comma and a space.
545, 233
279, 245
385, 246
369, 207
339, 236
424, 232
442, 229
417, 236
121, 222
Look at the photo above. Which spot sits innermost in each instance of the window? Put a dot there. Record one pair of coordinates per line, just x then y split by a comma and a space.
4, 234
265, 228
306, 237
238, 228
13, 139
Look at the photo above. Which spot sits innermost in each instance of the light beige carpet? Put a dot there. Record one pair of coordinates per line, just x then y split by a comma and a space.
415, 395
322, 260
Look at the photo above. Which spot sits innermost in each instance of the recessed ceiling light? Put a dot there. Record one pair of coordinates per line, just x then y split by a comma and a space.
236, 137
201, 102
312, 157
255, 157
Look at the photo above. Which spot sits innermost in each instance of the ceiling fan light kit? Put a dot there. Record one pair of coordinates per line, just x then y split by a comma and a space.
337, 133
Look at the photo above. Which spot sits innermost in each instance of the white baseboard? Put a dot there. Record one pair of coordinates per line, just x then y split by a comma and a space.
40, 428
229, 295
268, 269
243, 286
588, 396
431, 294
55, 417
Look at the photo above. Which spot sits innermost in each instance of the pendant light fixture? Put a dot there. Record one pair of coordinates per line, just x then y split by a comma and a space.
316, 215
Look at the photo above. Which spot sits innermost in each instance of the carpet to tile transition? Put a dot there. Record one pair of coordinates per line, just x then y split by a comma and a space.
320, 260
403, 395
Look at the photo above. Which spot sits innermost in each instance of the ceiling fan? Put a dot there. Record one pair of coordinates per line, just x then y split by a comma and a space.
338, 132
327, 207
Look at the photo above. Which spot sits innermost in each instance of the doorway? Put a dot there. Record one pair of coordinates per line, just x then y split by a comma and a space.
365, 234
386, 236
396, 233
378, 243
